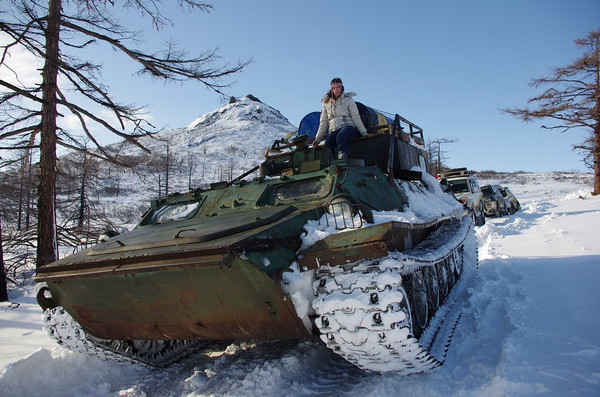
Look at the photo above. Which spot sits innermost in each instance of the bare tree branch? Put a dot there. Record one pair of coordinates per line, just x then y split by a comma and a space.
572, 101
171, 65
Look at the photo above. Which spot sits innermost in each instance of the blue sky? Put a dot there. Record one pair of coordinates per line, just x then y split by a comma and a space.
448, 66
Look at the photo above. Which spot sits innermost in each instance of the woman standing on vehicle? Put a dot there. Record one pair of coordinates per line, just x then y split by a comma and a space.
340, 113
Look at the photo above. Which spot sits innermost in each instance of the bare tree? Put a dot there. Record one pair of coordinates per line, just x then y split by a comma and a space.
53, 32
3, 289
26, 191
160, 165
191, 162
204, 150
572, 101
17, 189
78, 174
437, 156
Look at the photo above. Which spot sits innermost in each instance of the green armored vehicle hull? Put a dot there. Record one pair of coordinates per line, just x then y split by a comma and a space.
210, 264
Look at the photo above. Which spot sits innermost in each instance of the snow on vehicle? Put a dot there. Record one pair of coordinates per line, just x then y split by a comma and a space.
362, 252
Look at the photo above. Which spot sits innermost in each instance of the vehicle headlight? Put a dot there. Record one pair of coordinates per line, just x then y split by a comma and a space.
341, 206
343, 212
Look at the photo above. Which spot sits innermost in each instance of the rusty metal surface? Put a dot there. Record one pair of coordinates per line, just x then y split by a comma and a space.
365, 243
131, 264
232, 301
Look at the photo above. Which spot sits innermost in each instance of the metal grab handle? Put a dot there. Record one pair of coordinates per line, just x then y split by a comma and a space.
184, 230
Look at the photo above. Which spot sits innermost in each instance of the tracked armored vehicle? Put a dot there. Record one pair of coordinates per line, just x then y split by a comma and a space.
311, 247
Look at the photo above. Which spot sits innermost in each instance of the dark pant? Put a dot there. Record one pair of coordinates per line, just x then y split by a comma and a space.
338, 139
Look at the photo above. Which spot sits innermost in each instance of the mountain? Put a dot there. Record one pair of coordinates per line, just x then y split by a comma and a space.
246, 123
217, 146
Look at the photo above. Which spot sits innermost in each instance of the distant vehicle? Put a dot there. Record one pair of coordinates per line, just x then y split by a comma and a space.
465, 188
493, 200
512, 204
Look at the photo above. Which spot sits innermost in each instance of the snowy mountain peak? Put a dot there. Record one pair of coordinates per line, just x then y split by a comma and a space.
216, 146
248, 109
244, 122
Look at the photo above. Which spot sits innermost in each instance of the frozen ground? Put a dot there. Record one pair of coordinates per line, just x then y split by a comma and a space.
530, 327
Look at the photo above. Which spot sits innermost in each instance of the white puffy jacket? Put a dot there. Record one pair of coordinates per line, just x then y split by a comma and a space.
339, 113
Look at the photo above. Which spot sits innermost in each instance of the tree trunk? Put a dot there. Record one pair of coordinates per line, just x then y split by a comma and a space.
596, 138
597, 158
3, 289
46, 241
29, 201
168, 162
21, 195
82, 194
81, 217
159, 187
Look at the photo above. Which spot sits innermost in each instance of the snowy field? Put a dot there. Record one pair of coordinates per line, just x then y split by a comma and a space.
531, 326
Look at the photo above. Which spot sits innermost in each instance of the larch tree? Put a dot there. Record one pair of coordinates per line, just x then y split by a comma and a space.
3, 289
437, 155
55, 32
572, 101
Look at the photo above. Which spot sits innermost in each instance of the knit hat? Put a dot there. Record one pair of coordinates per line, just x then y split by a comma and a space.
336, 82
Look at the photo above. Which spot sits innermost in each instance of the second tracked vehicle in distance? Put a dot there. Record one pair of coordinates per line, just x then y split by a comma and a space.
362, 252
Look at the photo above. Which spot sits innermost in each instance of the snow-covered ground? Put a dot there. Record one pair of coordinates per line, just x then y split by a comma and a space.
531, 326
